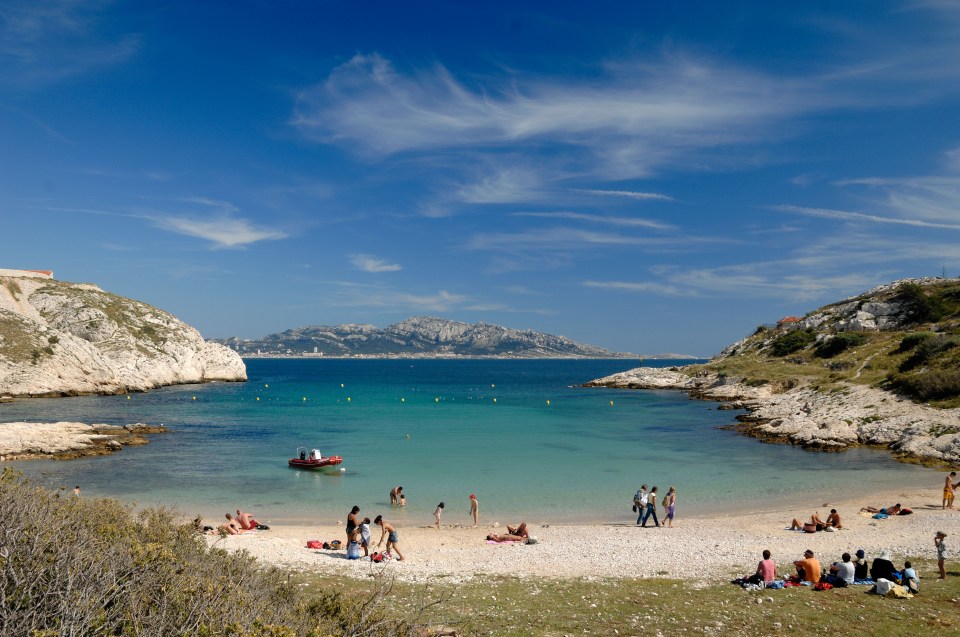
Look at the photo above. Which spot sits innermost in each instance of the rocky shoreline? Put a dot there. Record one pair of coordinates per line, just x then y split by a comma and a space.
67, 440
853, 415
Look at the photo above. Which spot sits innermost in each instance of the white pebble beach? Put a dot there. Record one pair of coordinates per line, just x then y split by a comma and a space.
703, 549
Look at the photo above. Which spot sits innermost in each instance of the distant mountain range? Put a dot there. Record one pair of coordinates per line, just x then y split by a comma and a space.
423, 337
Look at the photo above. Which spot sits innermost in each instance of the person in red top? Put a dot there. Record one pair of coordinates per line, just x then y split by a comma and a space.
808, 568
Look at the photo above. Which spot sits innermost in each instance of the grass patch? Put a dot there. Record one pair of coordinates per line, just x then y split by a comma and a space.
527, 607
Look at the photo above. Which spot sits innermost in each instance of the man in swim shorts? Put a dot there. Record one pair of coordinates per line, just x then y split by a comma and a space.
948, 490
387, 530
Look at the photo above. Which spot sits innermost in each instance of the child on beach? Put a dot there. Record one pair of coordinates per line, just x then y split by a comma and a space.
939, 542
437, 512
365, 536
474, 509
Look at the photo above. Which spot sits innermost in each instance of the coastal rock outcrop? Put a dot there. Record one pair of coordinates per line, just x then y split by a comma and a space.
59, 338
831, 421
63, 440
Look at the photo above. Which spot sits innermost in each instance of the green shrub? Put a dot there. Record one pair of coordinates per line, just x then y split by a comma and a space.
840, 343
791, 342
72, 566
931, 385
918, 306
928, 349
912, 340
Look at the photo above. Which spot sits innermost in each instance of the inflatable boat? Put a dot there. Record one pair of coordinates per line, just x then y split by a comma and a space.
312, 460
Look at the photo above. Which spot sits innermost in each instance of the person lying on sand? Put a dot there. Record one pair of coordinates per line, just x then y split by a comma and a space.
894, 510
513, 534
815, 524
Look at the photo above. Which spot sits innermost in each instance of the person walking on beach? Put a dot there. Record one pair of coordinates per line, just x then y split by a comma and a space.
395, 494
948, 490
670, 503
939, 541
437, 512
651, 508
474, 510
640, 503
387, 530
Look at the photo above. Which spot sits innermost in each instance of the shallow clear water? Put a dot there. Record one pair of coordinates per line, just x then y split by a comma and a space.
474, 426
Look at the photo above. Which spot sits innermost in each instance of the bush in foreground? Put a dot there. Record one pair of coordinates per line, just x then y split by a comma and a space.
70, 566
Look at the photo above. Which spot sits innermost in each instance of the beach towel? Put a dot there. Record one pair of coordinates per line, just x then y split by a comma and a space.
880, 516
864, 581
314, 544
503, 541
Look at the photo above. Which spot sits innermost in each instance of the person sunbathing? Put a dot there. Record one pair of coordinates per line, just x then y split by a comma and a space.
513, 534
815, 524
894, 510
834, 519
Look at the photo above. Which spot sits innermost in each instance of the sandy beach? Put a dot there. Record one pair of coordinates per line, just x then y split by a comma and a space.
704, 549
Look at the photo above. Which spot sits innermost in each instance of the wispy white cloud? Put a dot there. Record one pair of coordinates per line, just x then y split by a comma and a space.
504, 185
377, 296
368, 263
45, 41
559, 238
600, 219
633, 117
222, 231
630, 194
643, 286
843, 215
219, 227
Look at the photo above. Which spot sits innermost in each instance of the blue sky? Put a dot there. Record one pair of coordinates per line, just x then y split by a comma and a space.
645, 176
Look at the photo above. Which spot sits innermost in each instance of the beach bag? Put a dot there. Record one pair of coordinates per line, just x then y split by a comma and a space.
353, 551
883, 586
634, 508
314, 544
376, 557
335, 545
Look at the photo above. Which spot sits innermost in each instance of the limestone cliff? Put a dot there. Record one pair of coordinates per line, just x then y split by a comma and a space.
59, 338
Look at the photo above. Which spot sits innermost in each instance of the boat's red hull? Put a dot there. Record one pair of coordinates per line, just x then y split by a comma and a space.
297, 463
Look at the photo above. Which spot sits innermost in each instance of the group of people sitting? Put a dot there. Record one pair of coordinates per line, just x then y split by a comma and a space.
234, 525
841, 573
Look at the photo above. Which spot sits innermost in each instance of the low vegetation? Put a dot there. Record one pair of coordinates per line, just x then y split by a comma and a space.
71, 566
919, 360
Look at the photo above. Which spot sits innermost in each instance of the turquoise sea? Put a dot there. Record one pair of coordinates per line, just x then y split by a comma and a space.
520, 434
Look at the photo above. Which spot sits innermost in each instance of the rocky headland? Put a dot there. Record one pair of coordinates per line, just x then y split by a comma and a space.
60, 339
64, 440
879, 369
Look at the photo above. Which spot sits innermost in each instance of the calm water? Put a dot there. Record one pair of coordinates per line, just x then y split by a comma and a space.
474, 426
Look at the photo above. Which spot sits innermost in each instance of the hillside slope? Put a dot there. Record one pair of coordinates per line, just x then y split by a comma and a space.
880, 369
418, 336
59, 338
